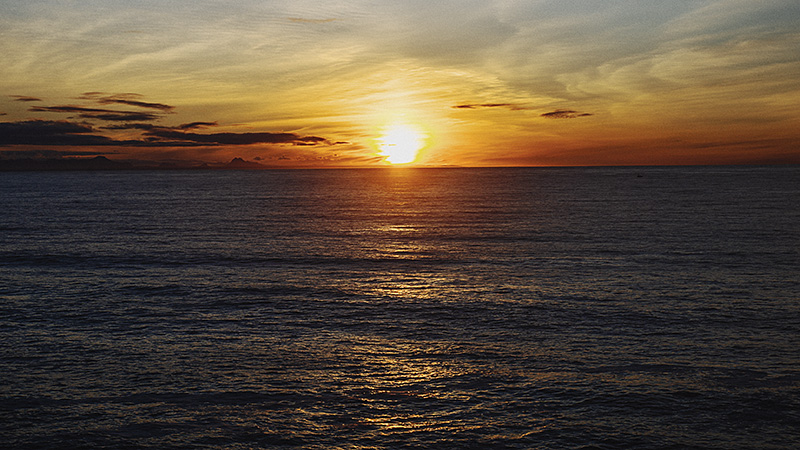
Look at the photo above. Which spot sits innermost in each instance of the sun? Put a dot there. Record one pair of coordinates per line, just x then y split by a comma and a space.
400, 143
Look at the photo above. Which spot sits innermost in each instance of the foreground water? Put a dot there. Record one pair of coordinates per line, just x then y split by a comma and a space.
378, 309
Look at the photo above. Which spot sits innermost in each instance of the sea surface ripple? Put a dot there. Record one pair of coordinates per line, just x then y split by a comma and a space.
541, 308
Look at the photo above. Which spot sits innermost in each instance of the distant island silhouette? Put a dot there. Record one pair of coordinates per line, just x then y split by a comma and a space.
98, 163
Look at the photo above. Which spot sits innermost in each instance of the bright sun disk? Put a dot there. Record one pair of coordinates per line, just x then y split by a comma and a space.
400, 143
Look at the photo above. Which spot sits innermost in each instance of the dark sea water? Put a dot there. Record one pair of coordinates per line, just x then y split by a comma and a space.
583, 308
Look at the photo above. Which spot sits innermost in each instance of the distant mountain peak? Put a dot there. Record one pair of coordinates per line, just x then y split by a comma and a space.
239, 163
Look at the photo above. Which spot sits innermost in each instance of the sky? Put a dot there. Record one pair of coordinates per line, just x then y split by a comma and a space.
349, 83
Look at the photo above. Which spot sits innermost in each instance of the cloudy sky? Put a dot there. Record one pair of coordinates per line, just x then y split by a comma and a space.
474, 82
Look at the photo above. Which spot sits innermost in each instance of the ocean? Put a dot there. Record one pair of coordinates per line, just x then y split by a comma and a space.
508, 308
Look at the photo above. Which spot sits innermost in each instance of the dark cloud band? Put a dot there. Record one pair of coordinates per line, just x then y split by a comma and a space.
122, 117
65, 132
235, 138
62, 132
159, 106
24, 98
511, 106
48, 132
564, 114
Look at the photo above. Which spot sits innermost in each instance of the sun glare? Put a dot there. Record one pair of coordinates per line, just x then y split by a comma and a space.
400, 143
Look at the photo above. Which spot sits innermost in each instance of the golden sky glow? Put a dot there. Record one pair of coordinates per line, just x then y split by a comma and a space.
304, 83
